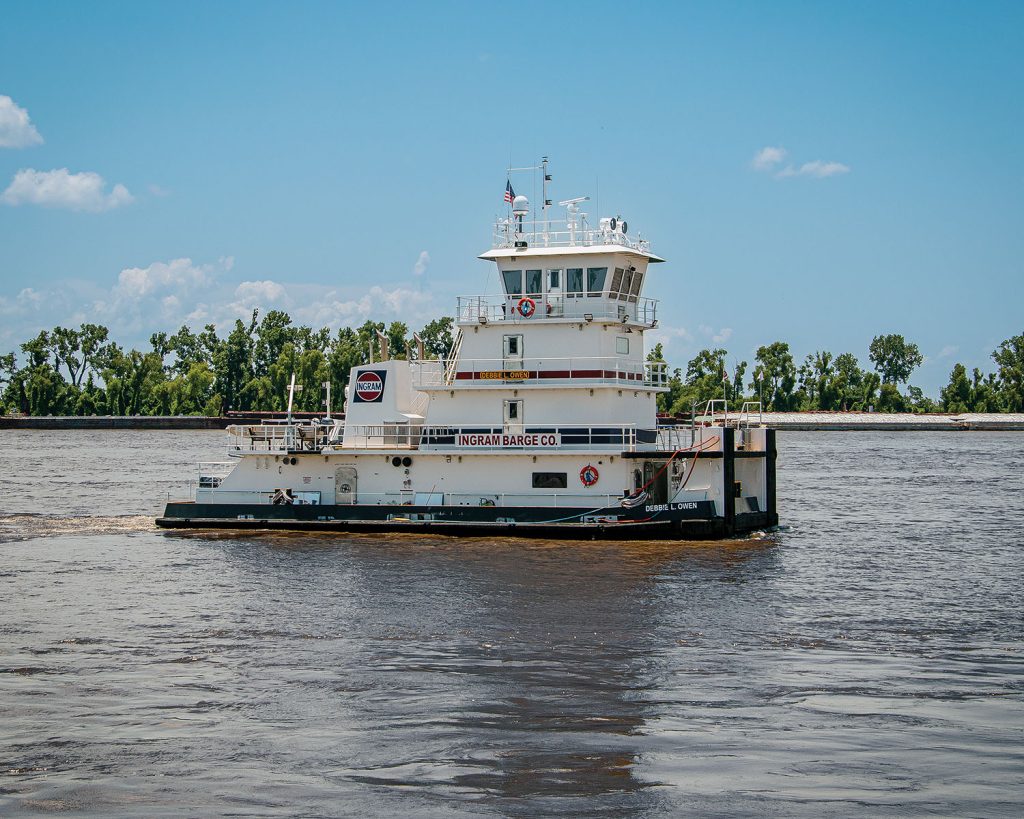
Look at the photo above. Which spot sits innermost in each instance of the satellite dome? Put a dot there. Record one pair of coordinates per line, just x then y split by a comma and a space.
520, 205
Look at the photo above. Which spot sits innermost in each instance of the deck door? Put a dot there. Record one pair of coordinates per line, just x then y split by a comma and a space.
513, 417
345, 485
513, 352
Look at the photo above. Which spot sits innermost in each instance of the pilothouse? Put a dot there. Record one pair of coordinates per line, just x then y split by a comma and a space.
541, 421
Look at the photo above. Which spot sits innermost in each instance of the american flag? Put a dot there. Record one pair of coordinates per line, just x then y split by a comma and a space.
509, 193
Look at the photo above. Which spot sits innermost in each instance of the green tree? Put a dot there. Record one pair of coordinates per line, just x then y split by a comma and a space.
956, 395
894, 358
890, 399
706, 378
985, 392
775, 376
397, 346
232, 364
188, 349
848, 382
438, 337
1009, 356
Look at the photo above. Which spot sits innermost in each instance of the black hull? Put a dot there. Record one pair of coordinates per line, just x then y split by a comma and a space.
681, 521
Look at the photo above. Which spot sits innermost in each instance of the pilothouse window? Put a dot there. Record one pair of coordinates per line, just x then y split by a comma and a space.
634, 288
616, 281
513, 281
533, 282
626, 284
574, 281
595, 280
554, 279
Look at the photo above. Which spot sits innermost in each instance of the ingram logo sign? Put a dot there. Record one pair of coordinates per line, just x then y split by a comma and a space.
369, 387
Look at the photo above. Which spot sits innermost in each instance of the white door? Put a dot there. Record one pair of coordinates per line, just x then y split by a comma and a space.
513, 352
513, 417
345, 485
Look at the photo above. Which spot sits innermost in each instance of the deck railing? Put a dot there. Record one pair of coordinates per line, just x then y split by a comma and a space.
561, 233
282, 437
465, 438
591, 369
462, 497
482, 309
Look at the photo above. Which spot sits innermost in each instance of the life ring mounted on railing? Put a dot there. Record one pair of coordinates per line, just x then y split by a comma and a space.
527, 307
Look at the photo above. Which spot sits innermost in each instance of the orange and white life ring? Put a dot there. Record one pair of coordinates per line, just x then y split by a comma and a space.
526, 307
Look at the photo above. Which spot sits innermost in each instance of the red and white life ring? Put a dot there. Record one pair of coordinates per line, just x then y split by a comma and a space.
526, 307
589, 475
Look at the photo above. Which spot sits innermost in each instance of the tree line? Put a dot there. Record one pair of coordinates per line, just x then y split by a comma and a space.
824, 381
83, 372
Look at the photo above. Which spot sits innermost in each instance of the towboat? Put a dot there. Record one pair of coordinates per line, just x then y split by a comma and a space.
541, 421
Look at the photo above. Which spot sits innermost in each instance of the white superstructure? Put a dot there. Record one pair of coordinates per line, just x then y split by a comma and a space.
546, 399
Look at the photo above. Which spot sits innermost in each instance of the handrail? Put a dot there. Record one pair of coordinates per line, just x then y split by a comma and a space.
282, 437
561, 233
590, 368
480, 309
453, 358
461, 497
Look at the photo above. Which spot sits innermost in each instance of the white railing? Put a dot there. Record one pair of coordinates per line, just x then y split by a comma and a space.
496, 371
471, 437
282, 437
213, 473
750, 413
409, 497
482, 309
453, 357
398, 435
560, 233
716, 411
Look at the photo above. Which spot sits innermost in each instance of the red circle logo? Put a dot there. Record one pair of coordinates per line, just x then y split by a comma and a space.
589, 475
369, 387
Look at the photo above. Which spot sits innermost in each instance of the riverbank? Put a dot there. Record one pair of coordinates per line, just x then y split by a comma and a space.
803, 421
902, 422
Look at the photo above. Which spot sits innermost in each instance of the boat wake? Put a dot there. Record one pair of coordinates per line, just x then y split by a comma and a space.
28, 526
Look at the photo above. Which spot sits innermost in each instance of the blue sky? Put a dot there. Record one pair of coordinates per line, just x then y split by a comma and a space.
345, 161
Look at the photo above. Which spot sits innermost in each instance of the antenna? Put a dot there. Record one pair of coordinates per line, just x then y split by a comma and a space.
292, 389
544, 187
572, 211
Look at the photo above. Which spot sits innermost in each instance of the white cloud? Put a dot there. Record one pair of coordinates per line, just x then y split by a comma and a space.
379, 303
16, 130
719, 336
27, 300
136, 283
670, 337
166, 294
948, 350
422, 263
258, 294
62, 189
767, 158
818, 169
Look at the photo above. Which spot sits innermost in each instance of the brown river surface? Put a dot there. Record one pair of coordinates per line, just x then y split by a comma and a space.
864, 660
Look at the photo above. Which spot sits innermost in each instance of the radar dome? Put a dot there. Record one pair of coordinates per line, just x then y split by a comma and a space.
520, 205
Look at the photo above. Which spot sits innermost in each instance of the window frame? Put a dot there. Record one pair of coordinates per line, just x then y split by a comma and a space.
504, 282
549, 480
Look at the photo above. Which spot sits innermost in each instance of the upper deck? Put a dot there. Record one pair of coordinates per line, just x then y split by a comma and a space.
553, 237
